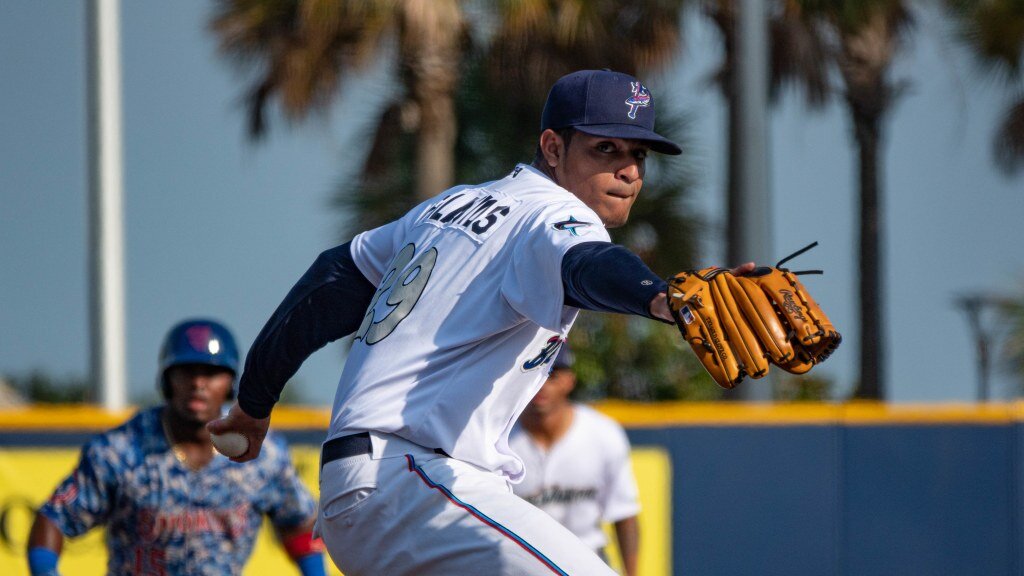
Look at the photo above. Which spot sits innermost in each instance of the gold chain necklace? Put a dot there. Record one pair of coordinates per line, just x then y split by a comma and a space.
178, 451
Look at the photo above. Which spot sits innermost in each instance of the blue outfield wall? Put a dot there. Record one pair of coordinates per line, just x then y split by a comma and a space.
942, 499
809, 490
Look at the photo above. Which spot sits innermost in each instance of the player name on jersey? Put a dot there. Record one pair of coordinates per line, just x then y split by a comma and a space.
476, 214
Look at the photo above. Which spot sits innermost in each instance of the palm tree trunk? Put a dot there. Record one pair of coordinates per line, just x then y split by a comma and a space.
432, 36
734, 240
724, 16
866, 55
435, 150
867, 123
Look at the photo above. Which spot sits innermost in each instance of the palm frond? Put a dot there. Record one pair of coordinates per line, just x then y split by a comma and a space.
994, 30
850, 16
540, 40
800, 55
296, 50
866, 36
1009, 142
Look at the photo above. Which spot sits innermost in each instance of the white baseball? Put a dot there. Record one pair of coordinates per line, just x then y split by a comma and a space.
230, 444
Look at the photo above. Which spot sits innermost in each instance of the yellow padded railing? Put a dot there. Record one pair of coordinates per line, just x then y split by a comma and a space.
631, 414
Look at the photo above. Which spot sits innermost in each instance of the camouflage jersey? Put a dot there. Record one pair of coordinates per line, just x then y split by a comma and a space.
164, 518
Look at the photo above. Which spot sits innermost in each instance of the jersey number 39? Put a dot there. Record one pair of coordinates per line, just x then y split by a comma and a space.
402, 284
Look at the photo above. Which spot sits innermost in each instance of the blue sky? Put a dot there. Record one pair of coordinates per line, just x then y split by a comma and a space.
219, 226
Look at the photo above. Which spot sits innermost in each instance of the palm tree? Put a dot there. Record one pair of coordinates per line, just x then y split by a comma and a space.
809, 40
798, 58
870, 34
994, 31
862, 38
302, 50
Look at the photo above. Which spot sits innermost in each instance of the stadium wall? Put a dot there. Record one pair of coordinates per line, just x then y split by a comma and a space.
809, 489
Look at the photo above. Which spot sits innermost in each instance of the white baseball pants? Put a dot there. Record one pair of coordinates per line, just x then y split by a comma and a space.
409, 511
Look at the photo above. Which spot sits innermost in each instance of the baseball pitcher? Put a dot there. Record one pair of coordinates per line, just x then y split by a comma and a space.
457, 310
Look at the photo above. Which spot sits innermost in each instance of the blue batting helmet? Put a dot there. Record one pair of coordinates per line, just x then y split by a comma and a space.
198, 341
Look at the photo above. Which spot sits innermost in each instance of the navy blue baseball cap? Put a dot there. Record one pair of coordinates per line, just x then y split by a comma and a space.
605, 103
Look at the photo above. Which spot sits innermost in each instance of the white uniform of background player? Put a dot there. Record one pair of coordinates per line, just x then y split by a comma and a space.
578, 466
468, 311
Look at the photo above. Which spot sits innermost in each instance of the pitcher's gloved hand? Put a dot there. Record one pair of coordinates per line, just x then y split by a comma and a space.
737, 325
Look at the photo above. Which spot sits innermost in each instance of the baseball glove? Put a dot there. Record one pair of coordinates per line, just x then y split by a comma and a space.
738, 324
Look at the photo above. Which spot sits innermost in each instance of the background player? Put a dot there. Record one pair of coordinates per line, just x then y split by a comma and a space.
577, 465
457, 308
171, 505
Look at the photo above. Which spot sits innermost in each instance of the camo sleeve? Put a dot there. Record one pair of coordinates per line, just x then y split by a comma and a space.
84, 499
284, 498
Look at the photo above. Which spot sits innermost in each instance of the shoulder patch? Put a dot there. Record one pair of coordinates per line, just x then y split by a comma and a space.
572, 225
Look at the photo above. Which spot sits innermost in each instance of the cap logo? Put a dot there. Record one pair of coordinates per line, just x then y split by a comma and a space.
201, 339
640, 98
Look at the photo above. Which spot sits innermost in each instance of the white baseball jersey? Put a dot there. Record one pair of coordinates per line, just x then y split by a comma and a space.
467, 316
584, 478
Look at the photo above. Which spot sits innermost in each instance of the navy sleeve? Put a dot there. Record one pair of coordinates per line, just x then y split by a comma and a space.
609, 278
326, 304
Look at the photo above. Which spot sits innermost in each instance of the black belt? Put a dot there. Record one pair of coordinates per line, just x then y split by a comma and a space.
353, 445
